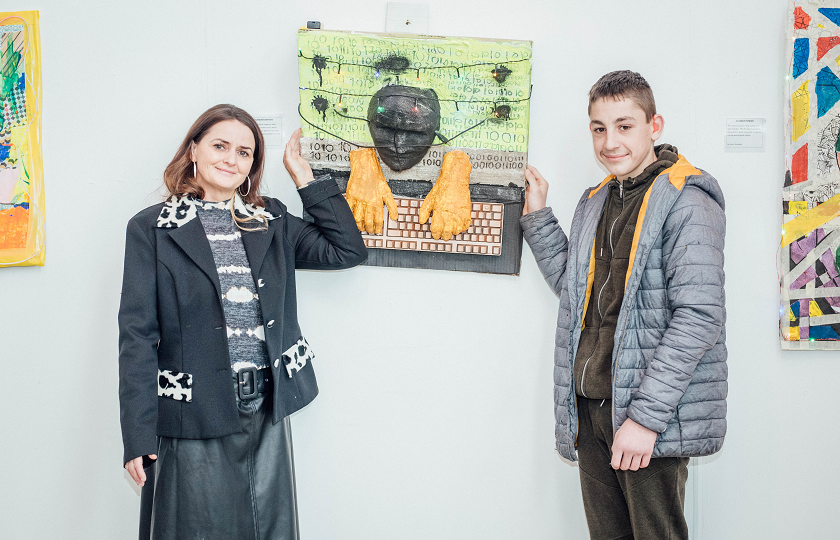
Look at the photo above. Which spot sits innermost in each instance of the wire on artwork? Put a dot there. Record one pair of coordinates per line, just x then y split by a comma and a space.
445, 140
455, 101
320, 62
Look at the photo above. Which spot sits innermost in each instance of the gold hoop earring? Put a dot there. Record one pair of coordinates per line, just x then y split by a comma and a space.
249, 187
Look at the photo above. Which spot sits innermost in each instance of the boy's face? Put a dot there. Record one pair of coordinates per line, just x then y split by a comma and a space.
621, 136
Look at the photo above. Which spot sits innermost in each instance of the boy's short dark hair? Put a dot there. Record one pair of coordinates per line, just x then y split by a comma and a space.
628, 85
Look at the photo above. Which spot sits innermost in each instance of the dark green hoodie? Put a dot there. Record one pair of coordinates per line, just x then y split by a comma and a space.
613, 242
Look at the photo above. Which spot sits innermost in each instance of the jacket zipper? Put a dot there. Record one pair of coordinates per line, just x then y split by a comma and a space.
632, 301
583, 376
609, 274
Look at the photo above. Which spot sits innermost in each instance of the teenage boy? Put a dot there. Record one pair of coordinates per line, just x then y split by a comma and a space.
640, 359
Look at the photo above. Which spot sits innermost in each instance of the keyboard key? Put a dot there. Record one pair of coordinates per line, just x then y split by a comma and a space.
484, 232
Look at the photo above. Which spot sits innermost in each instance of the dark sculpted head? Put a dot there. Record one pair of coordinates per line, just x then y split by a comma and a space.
403, 121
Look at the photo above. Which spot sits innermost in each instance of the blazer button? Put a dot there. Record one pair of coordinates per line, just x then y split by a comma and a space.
270, 323
277, 362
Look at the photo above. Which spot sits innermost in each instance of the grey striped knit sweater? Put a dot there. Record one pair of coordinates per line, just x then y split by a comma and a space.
240, 302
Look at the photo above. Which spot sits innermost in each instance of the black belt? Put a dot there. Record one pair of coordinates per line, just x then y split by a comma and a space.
251, 382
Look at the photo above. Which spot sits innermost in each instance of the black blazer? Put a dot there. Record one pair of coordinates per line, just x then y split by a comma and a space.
172, 326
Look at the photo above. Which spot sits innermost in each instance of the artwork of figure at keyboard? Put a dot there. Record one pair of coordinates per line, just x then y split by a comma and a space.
430, 136
403, 123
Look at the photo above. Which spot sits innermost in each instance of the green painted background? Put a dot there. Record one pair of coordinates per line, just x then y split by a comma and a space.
474, 87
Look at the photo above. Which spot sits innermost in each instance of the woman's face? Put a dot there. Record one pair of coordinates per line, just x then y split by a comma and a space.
223, 159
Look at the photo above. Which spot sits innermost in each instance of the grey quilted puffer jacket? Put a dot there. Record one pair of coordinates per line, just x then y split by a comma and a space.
669, 355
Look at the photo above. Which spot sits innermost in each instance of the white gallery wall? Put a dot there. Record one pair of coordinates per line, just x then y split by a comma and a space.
435, 416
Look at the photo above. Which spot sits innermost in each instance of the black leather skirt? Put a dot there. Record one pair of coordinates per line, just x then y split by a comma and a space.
241, 486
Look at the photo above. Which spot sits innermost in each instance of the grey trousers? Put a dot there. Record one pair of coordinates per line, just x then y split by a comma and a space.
626, 505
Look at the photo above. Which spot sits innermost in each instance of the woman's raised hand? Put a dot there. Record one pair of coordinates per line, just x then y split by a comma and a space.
296, 165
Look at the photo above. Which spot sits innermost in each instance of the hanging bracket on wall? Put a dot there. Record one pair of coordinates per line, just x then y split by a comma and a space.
405, 18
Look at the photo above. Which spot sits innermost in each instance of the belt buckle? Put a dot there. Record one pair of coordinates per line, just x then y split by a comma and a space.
243, 394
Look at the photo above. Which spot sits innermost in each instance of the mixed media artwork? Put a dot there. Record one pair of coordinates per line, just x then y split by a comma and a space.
427, 137
810, 246
21, 175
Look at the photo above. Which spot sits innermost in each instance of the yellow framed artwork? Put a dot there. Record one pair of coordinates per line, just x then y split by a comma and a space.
22, 241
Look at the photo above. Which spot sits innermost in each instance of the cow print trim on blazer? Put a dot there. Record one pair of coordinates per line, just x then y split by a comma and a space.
178, 211
297, 355
175, 385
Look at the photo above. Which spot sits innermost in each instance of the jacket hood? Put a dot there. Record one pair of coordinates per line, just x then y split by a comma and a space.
684, 173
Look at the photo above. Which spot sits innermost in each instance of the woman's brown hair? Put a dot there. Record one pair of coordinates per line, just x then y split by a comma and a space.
178, 176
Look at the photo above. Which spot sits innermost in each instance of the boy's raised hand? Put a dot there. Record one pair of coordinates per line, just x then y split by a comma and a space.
536, 190
632, 447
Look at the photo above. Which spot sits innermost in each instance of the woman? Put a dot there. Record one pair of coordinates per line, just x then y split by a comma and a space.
212, 360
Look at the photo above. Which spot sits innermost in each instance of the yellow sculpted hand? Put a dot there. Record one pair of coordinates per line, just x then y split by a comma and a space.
449, 199
367, 191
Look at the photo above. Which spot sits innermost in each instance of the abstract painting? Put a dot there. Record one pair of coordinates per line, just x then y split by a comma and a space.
21, 174
428, 138
809, 275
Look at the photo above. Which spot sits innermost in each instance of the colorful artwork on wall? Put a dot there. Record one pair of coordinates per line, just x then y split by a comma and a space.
428, 136
21, 174
810, 247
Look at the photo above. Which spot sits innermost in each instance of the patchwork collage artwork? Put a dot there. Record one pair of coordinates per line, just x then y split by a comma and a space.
428, 137
810, 246
21, 176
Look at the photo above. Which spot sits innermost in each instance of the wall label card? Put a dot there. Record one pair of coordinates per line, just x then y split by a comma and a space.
272, 129
745, 134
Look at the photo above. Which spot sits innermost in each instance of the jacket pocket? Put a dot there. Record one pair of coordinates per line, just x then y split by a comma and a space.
175, 385
297, 356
